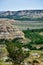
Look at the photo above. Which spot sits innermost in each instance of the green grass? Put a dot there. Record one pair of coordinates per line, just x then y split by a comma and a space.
3, 63
28, 24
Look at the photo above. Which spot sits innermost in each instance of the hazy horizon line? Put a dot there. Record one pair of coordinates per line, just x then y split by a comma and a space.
21, 9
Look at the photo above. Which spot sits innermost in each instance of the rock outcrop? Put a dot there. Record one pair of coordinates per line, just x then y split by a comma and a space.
9, 31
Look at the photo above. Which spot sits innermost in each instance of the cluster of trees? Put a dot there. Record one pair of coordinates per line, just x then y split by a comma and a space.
21, 18
31, 47
16, 53
36, 39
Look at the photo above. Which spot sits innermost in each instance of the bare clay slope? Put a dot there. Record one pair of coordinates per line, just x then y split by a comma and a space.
8, 31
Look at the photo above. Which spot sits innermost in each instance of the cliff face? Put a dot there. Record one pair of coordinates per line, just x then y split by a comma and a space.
8, 31
23, 15
22, 12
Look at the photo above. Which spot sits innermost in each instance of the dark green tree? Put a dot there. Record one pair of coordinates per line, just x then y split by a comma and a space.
16, 53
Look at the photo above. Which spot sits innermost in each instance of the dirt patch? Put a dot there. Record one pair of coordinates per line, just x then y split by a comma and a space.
41, 33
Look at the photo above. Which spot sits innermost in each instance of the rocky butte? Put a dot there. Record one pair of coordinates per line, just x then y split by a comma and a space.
9, 31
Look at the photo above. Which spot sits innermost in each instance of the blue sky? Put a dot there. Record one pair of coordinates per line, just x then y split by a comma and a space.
20, 4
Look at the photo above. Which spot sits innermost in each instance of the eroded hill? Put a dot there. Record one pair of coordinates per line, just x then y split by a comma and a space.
8, 31
30, 15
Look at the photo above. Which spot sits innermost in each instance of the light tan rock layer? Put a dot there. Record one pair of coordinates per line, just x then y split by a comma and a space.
9, 31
